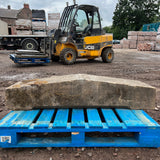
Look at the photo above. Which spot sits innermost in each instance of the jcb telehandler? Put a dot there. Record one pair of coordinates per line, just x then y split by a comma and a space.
79, 35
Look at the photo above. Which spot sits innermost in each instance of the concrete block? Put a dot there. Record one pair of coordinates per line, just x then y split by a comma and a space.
79, 91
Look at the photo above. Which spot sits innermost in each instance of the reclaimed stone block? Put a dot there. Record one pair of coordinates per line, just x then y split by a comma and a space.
79, 91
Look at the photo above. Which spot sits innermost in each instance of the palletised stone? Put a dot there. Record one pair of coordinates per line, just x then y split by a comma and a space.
80, 90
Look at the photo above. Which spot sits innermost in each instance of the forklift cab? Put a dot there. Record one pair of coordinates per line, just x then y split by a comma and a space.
86, 21
78, 22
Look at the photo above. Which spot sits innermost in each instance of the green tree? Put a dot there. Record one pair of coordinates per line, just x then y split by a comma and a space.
132, 14
108, 29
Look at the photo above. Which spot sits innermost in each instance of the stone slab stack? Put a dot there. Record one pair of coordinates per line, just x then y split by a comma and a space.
80, 91
158, 40
53, 20
39, 26
23, 27
139, 40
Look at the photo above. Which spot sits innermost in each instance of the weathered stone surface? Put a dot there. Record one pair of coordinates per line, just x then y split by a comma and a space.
80, 90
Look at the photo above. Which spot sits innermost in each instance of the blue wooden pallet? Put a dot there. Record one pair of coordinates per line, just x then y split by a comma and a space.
79, 128
29, 60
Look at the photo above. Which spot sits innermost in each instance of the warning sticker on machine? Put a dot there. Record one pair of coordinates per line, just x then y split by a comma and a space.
6, 139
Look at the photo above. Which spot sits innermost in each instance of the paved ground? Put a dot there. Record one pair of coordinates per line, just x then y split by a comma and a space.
143, 66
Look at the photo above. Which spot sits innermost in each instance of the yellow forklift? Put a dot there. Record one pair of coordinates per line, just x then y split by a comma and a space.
79, 35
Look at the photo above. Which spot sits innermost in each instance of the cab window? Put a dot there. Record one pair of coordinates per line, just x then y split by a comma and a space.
81, 20
96, 24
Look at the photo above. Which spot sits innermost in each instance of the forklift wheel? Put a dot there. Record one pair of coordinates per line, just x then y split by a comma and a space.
108, 55
68, 56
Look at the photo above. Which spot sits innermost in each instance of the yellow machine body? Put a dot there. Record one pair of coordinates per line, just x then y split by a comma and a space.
89, 44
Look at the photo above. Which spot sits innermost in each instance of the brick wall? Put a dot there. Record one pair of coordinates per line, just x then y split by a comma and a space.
25, 13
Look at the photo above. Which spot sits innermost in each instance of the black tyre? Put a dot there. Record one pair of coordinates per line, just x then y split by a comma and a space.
55, 58
68, 56
108, 55
29, 44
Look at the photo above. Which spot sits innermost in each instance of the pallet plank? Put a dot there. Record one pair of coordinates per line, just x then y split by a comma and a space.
147, 120
129, 118
10, 118
44, 119
110, 118
25, 119
94, 118
61, 118
78, 119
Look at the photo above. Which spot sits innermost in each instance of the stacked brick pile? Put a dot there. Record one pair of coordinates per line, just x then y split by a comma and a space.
158, 40
53, 20
138, 40
144, 47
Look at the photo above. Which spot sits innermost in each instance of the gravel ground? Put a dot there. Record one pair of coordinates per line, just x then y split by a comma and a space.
129, 64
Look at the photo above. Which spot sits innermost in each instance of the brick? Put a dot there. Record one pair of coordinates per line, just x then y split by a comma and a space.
126, 42
132, 37
140, 38
148, 38
144, 47
133, 44
153, 45
125, 46
140, 33
153, 38
117, 46
132, 33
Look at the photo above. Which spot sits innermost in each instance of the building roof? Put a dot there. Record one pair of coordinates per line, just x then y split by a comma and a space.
8, 13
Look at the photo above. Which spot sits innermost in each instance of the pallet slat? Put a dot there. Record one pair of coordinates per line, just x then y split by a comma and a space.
44, 119
61, 118
10, 118
25, 119
129, 118
94, 118
147, 120
111, 119
78, 119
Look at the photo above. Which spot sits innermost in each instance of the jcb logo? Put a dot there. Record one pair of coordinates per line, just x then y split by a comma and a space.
89, 47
